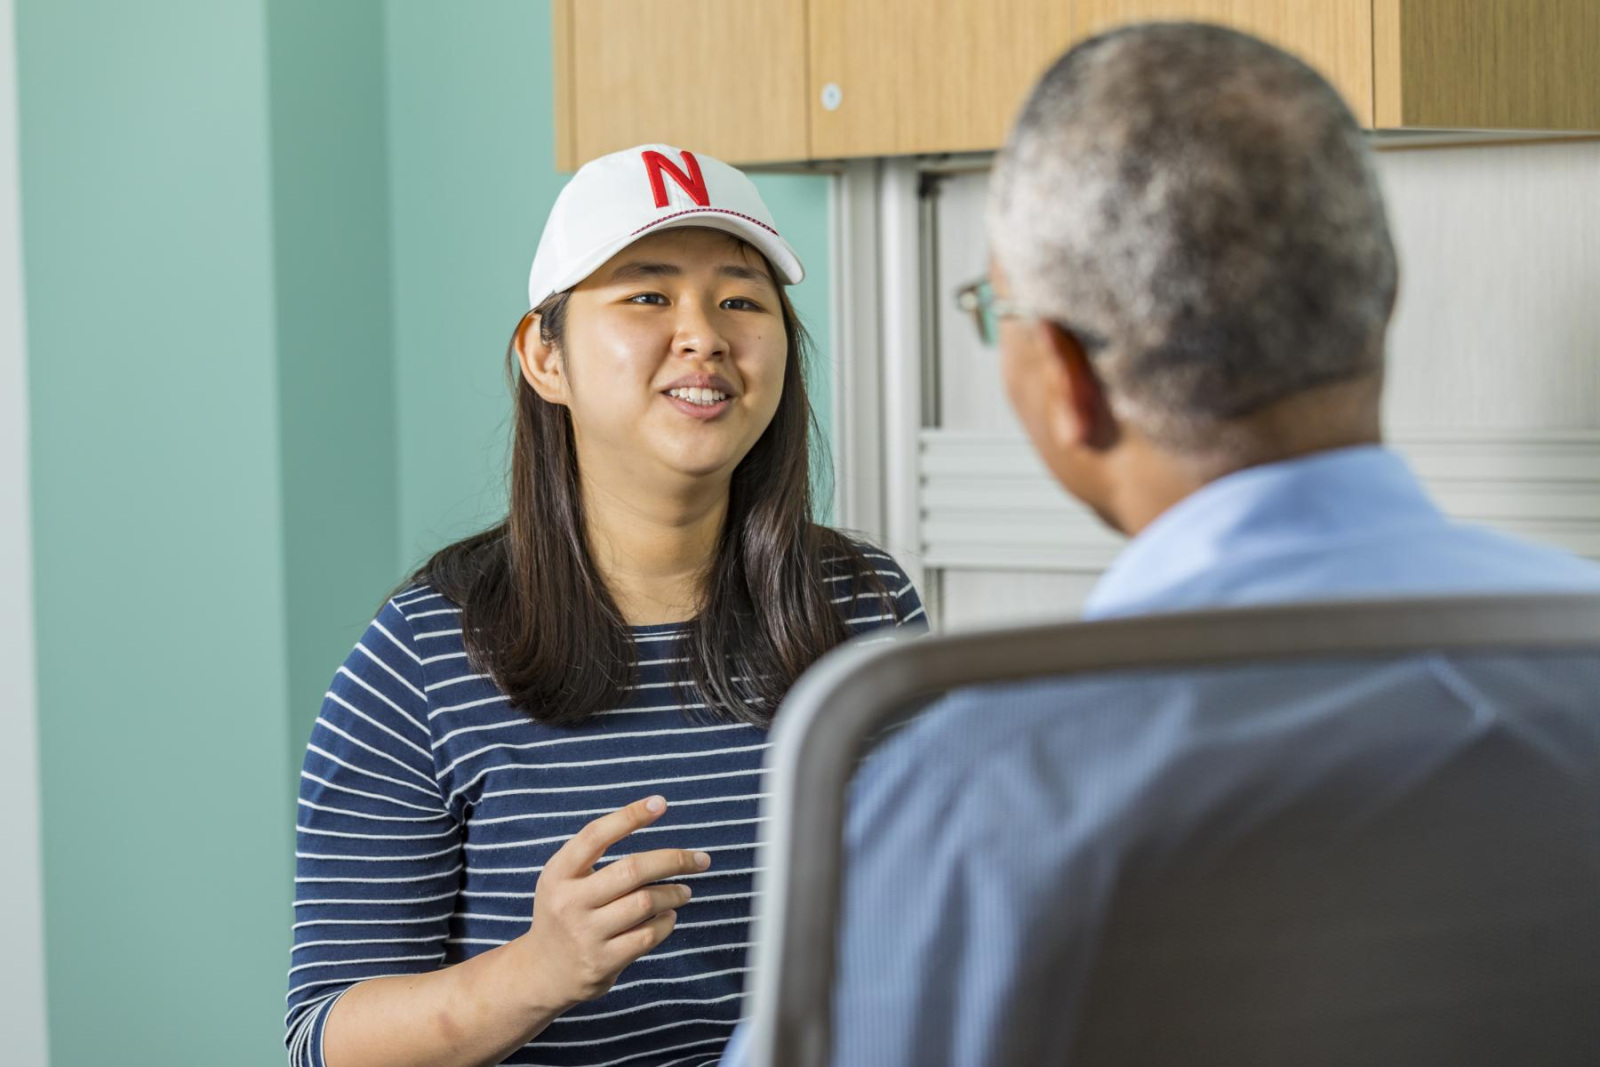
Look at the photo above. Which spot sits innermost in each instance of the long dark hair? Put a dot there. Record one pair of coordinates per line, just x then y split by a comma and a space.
536, 614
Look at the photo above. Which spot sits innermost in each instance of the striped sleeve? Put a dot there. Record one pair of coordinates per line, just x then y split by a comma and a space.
908, 608
866, 608
377, 855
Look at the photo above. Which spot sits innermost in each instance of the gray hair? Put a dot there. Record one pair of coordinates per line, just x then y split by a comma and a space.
1204, 206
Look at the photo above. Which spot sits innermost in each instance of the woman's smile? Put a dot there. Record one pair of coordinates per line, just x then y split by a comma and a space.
703, 397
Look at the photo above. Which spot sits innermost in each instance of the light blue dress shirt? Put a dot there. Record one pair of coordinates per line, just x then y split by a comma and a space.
1348, 523
976, 850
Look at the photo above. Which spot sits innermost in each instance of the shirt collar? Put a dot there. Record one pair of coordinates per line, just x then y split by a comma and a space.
1275, 508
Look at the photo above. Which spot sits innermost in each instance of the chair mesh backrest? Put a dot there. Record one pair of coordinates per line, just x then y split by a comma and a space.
1380, 857
1423, 889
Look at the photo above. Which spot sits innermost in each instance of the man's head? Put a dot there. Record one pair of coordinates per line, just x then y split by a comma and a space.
1189, 223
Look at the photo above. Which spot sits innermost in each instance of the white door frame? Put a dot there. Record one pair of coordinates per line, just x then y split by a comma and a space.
880, 349
22, 988
857, 444
884, 343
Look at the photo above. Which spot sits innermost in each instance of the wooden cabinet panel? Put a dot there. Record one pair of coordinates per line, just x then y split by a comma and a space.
926, 75
1487, 64
1334, 36
756, 81
725, 77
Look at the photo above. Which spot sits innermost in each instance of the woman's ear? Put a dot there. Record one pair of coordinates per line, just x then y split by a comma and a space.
541, 363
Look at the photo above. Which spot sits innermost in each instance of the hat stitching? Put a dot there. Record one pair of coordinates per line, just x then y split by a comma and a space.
702, 211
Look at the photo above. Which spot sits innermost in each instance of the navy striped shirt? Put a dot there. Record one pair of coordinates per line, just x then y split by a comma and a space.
428, 807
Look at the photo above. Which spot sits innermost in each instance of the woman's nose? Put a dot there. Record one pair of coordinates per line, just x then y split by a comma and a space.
697, 333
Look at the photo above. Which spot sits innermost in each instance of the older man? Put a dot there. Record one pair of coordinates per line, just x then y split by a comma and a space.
1192, 277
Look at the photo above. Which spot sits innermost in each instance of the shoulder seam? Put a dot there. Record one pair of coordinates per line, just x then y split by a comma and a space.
424, 719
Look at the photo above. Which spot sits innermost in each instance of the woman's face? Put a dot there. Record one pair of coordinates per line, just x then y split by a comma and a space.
673, 356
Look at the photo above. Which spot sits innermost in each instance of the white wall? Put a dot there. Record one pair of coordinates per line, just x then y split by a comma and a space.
22, 991
1499, 316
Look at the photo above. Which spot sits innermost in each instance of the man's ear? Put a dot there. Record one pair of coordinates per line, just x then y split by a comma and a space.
541, 364
1080, 415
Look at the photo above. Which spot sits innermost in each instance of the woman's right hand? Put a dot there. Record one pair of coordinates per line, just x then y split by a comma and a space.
589, 924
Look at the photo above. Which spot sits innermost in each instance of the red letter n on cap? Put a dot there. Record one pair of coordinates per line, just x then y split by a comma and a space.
692, 183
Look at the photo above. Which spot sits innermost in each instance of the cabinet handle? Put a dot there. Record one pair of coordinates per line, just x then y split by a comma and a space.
832, 96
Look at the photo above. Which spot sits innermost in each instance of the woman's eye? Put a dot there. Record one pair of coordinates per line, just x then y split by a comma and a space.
647, 298
743, 304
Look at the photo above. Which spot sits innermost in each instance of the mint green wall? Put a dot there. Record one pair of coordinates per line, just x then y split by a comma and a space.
471, 127
335, 333
799, 204
273, 251
472, 178
159, 552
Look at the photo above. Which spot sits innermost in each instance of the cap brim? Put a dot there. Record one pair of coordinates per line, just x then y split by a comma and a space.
775, 248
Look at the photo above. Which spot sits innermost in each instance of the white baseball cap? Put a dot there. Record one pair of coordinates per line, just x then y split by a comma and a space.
615, 200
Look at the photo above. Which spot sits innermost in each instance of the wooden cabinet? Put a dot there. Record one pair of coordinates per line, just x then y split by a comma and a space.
726, 77
1487, 64
890, 77
1419, 64
762, 81
1334, 36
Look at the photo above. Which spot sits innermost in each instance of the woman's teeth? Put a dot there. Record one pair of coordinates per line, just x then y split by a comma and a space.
703, 397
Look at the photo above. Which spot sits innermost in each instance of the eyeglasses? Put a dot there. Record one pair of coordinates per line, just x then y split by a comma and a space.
977, 299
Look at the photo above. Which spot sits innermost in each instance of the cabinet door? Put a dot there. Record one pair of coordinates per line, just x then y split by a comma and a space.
1334, 36
725, 77
1488, 64
894, 77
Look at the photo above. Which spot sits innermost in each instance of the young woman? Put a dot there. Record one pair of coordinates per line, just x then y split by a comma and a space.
529, 805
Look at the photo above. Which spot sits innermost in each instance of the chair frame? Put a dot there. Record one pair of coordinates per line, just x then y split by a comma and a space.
829, 719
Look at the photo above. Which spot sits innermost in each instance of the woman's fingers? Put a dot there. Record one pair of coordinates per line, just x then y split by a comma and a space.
639, 907
642, 939
583, 850
590, 924
623, 876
